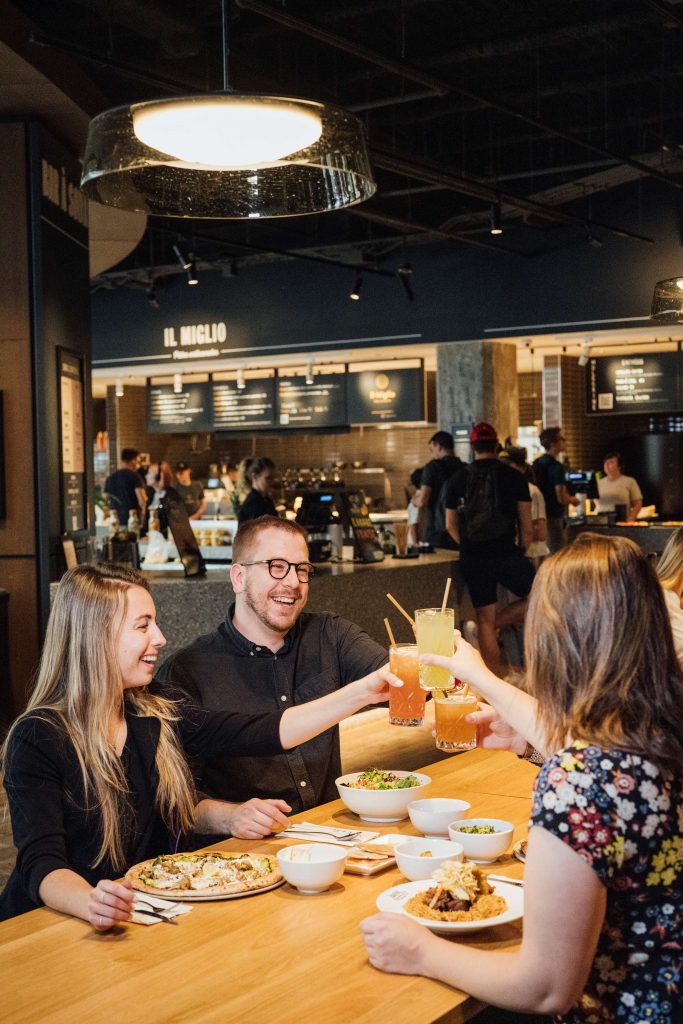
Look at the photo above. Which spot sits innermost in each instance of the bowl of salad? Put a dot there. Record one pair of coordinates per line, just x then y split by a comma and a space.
381, 795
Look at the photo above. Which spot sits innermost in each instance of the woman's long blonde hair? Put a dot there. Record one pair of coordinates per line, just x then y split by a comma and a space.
599, 652
670, 565
79, 683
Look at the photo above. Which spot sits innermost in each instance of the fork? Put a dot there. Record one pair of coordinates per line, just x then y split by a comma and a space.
154, 913
298, 829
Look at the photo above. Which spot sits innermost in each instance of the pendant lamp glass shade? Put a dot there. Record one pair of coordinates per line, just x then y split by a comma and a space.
227, 155
667, 301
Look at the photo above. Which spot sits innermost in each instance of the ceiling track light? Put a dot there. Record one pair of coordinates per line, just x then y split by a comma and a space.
152, 296
358, 284
184, 263
192, 273
585, 352
405, 274
309, 372
227, 155
118, 387
495, 227
177, 383
241, 383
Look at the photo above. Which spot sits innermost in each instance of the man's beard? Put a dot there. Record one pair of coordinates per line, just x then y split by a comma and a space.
260, 606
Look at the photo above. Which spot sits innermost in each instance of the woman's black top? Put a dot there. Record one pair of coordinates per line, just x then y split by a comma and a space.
54, 827
254, 505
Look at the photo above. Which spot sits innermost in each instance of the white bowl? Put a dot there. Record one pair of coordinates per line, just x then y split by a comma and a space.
482, 848
416, 867
433, 816
381, 804
312, 867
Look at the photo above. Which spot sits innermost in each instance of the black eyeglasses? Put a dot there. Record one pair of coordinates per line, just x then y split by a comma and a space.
279, 568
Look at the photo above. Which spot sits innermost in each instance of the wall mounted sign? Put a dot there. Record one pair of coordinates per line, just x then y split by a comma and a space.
249, 408
72, 429
187, 412
386, 395
320, 404
633, 383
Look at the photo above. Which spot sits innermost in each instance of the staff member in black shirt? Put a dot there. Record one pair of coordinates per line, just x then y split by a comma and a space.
259, 501
552, 482
95, 769
269, 653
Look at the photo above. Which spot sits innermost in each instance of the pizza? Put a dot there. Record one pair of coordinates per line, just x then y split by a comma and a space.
205, 874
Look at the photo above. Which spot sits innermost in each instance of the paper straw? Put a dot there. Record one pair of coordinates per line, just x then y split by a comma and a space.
445, 594
391, 635
402, 610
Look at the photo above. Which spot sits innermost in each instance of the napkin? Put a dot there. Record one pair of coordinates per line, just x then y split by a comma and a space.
165, 907
310, 833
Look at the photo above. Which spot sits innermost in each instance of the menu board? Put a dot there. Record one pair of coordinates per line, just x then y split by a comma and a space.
186, 412
248, 408
633, 383
320, 404
72, 428
386, 396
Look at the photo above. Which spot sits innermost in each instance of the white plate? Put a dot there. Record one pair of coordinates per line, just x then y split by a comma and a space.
393, 900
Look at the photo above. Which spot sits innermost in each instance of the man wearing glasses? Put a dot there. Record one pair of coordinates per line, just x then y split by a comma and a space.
268, 654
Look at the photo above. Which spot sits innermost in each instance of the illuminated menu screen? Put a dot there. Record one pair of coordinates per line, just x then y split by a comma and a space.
248, 408
386, 396
186, 412
320, 404
633, 383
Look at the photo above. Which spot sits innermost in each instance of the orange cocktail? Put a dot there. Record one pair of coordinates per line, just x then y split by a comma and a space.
407, 702
452, 731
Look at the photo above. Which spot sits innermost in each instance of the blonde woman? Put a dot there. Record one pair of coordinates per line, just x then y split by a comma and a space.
95, 768
604, 867
670, 573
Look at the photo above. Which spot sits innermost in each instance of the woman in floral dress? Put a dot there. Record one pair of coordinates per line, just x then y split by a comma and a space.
604, 869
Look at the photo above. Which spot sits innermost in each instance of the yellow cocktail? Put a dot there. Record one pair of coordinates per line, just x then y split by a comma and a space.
434, 629
406, 703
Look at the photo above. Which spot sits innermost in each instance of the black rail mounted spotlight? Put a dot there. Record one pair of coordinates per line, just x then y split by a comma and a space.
405, 275
184, 263
358, 284
495, 226
192, 273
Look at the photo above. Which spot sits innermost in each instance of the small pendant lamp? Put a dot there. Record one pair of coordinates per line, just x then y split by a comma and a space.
227, 155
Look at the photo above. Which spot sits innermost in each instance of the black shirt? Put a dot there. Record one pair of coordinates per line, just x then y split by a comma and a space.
550, 474
512, 488
254, 505
434, 475
224, 671
121, 487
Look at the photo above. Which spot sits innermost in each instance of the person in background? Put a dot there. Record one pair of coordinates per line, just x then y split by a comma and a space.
670, 573
95, 768
443, 464
126, 488
552, 482
614, 488
604, 868
538, 548
417, 517
229, 478
159, 481
190, 491
259, 473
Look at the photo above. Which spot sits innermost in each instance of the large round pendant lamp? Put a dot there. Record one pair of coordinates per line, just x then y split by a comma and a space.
667, 301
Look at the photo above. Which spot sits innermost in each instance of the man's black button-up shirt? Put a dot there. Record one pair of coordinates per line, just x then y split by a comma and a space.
224, 671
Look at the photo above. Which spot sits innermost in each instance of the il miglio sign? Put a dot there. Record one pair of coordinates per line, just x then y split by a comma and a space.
634, 383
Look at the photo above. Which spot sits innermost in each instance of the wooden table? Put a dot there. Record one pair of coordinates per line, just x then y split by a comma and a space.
276, 958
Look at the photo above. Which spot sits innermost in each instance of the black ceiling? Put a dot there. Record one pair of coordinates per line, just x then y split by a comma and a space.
533, 104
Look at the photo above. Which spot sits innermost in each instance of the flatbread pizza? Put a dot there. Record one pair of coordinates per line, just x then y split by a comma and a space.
202, 875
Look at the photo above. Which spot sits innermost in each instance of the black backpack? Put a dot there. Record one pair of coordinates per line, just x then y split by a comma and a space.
480, 518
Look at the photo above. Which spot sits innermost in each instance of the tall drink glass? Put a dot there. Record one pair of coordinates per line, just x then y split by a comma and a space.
434, 629
452, 731
407, 702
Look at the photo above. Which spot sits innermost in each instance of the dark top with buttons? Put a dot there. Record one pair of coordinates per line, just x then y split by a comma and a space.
224, 671
53, 826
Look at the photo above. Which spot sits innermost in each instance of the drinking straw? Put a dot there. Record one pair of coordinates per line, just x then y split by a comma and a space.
402, 610
445, 594
391, 635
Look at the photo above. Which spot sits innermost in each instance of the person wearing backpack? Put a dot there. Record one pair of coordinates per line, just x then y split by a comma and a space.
488, 513
441, 467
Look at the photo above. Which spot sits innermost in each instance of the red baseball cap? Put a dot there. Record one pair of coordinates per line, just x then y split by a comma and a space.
483, 432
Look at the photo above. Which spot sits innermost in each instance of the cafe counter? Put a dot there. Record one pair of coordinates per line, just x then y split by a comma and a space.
651, 537
188, 607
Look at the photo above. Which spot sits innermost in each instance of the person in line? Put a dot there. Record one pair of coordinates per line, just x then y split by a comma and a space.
552, 481
190, 491
269, 652
615, 488
126, 488
95, 768
670, 573
488, 513
604, 865
443, 464
159, 482
516, 457
259, 474
417, 517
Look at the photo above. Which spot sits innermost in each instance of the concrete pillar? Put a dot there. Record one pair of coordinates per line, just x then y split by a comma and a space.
477, 380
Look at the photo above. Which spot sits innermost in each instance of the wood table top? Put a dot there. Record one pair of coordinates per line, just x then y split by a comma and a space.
274, 958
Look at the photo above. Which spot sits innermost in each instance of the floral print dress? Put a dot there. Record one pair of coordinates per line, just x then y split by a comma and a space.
626, 821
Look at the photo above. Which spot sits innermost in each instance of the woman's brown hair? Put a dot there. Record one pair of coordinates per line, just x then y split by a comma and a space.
599, 652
